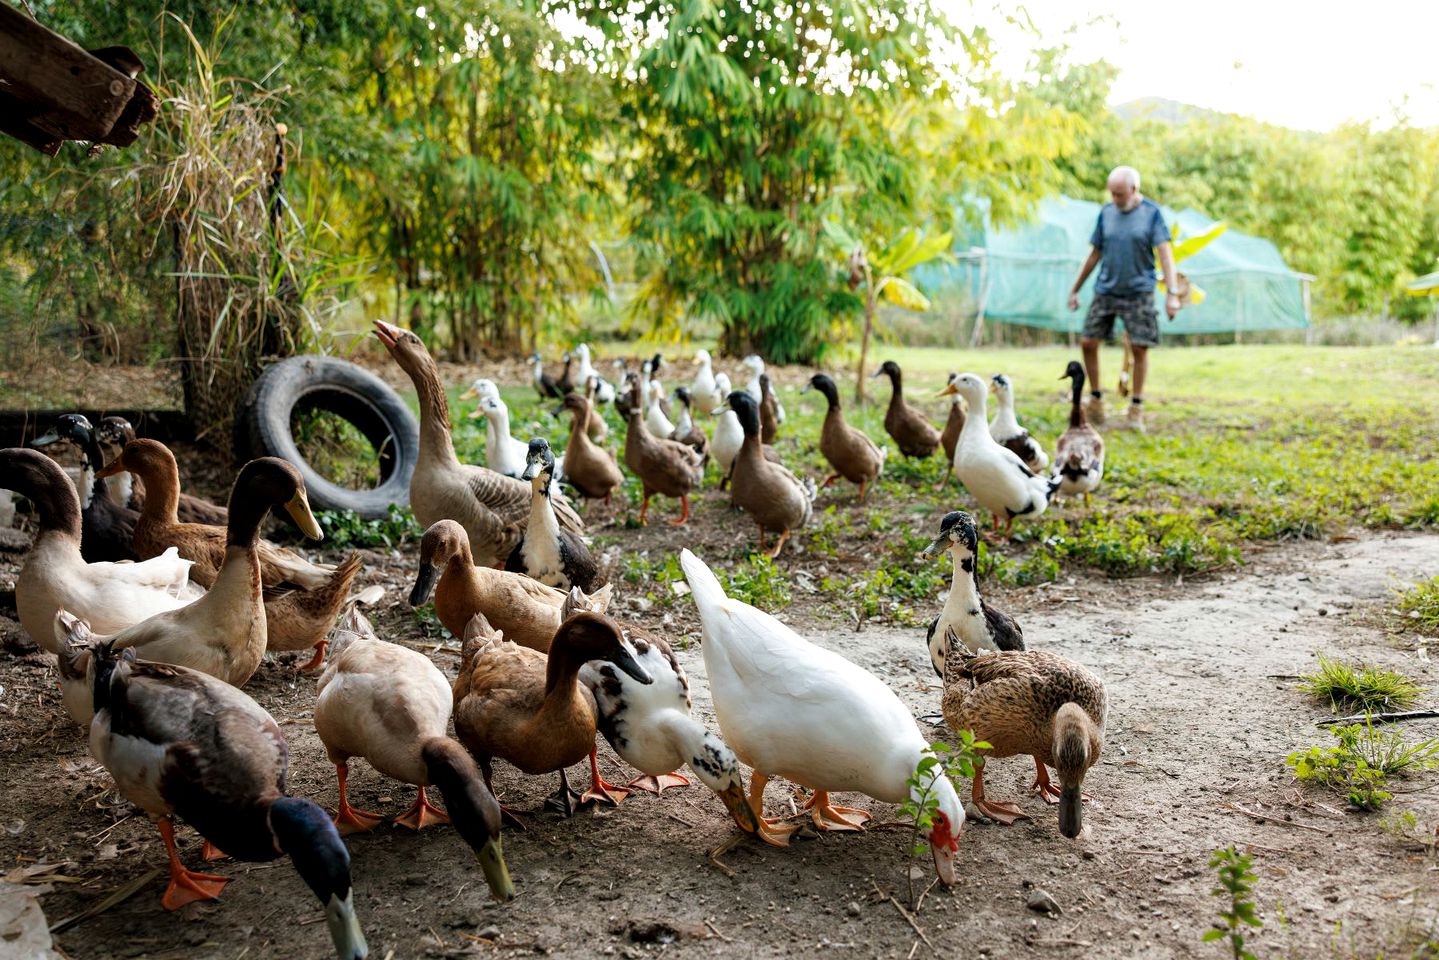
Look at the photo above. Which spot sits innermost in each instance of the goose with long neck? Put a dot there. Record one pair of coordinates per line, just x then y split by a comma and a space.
1005, 428
1028, 703
589, 468
107, 525
180, 743
994, 475
949, 436
112, 596
663, 465
979, 626
514, 704
850, 452
491, 507
793, 709
772, 495
1079, 454
911, 430
557, 558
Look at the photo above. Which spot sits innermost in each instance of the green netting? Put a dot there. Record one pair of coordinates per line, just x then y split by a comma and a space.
1022, 275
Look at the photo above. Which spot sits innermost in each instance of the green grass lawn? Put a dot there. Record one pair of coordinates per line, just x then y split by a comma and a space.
1248, 444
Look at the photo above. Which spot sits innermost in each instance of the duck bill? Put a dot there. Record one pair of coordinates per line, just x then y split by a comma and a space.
739, 809
345, 929
298, 507
1071, 811
388, 333
110, 469
470, 394
948, 391
477, 413
936, 546
497, 875
532, 470
46, 439
626, 661
944, 863
424, 584
70, 629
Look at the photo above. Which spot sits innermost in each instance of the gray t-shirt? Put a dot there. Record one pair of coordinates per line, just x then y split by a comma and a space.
1126, 242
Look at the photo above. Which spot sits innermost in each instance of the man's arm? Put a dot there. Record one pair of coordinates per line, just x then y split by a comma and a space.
1085, 269
1171, 280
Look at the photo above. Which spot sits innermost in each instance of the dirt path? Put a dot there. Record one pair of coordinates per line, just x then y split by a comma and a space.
1197, 728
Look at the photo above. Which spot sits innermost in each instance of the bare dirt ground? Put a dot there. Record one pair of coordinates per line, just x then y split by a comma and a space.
1202, 713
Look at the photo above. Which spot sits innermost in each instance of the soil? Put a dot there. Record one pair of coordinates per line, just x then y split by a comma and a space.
1203, 712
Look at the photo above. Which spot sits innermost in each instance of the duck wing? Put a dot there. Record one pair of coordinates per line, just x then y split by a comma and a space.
1004, 628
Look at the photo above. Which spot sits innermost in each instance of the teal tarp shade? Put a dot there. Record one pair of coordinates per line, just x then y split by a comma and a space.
1022, 275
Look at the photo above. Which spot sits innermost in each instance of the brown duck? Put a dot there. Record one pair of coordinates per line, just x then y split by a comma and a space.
949, 438
768, 411
116, 432
773, 496
663, 466
850, 452
911, 432
589, 467
1028, 703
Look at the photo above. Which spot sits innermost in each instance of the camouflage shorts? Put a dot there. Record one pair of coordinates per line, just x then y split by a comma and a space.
1139, 314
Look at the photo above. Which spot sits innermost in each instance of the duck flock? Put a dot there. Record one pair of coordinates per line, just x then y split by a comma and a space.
158, 607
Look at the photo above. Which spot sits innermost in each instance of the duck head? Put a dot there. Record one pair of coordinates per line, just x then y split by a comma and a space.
491, 408
746, 408
481, 388
576, 404
1075, 371
682, 396
265, 483
305, 832
446, 540
824, 383
539, 466
1000, 386
74, 427
957, 533
116, 431
627, 400
1077, 744
887, 369
970, 387
946, 828
656, 362
408, 350
702, 358
753, 364
587, 636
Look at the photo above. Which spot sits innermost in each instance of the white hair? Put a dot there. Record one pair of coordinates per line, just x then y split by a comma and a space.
1125, 173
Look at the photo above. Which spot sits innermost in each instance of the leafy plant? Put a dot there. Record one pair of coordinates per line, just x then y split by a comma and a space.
957, 764
1360, 765
758, 582
345, 529
1418, 607
1360, 687
1236, 886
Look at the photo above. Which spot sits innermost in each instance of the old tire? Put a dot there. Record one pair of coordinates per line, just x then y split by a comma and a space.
262, 427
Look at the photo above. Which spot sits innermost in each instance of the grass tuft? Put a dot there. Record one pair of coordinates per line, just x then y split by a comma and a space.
1360, 687
1418, 608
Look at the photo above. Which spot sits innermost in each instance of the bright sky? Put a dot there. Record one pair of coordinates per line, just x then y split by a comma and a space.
1310, 65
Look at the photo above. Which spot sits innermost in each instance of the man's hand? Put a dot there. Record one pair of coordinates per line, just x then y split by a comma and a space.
1172, 305
1074, 301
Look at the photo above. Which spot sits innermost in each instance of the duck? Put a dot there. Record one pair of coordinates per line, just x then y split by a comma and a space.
703, 389
949, 436
728, 435
391, 705
685, 430
755, 365
589, 468
107, 526
768, 411
1005, 428
503, 453
225, 633
979, 626
302, 599
116, 432
584, 370
769, 492
516, 704
850, 452
598, 392
650, 727
721, 394
566, 381
789, 708
545, 384
663, 465
554, 557
1028, 703
657, 419
1079, 454
181, 743
911, 430
55, 575
489, 505
526, 610
994, 475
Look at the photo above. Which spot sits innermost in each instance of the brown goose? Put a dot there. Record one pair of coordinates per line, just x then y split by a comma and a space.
909, 429
949, 438
492, 508
850, 452
116, 432
1028, 703
1079, 454
768, 492
663, 466
589, 467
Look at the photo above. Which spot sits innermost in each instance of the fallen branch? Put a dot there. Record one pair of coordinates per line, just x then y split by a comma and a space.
716, 931
119, 896
906, 914
1380, 717
1283, 823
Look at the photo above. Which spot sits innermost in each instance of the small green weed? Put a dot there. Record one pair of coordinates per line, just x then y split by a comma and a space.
1418, 608
345, 529
1361, 764
1360, 687
1235, 889
758, 582
939, 760
335, 448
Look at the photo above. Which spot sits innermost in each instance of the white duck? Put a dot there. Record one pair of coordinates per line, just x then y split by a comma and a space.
1005, 428
601, 391
755, 365
111, 596
584, 369
702, 388
994, 475
503, 453
655, 420
728, 433
790, 708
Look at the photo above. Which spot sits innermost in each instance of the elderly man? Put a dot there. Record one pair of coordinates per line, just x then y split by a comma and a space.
1129, 233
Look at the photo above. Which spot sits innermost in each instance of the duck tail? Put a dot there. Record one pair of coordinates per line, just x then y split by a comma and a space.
708, 591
